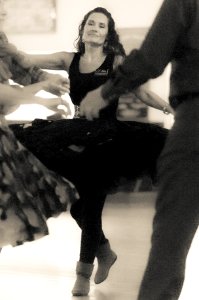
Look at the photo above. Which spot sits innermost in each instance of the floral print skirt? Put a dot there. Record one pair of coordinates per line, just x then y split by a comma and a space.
29, 192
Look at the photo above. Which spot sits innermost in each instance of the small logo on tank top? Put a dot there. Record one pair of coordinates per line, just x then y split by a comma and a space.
101, 72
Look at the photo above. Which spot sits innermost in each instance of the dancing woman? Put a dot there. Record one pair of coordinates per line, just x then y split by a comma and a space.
82, 150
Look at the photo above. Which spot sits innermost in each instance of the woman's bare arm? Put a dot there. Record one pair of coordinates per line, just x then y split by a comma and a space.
148, 97
153, 100
54, 61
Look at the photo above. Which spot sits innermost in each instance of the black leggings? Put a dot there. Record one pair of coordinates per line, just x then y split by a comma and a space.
88, 212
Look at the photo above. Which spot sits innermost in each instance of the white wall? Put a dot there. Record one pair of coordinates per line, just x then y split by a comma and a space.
132, 13
69, 15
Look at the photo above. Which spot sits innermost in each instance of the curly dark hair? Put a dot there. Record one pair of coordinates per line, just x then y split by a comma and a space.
112, 44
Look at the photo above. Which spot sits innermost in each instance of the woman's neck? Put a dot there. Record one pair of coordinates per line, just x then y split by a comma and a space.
93, 53
92, 59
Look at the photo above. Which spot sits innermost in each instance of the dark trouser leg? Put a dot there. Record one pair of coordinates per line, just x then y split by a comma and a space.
76, 213
177, 208
88, 212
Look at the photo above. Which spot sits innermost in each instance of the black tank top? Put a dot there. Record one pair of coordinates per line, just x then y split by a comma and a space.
82, 83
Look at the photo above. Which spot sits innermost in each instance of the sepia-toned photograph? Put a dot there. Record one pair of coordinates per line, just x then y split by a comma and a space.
99, 176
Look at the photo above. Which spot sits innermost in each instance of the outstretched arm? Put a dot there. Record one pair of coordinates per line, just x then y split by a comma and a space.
26, 69
93, 103
12, 96
58, 84
54, 61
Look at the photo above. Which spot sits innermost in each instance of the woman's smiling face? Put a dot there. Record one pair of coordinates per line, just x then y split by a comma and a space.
96, 29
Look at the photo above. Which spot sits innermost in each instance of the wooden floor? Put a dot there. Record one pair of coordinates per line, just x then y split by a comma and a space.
45, 269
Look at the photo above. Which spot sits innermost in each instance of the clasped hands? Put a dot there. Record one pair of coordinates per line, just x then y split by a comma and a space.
59, 86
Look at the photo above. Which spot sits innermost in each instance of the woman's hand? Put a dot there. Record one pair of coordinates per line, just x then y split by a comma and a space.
58, 105
57, 85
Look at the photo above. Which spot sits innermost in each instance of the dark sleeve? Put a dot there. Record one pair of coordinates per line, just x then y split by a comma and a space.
155, 53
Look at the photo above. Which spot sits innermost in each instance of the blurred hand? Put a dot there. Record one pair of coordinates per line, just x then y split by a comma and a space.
57, 84
58, 105
65, 106
92, 104
52, 103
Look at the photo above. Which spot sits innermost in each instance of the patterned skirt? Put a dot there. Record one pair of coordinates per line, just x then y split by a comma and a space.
30, 193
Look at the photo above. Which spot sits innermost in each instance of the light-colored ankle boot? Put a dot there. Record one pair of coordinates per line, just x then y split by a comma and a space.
106, 258
82, 283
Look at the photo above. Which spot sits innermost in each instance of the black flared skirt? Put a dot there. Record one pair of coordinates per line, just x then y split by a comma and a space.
94, 153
